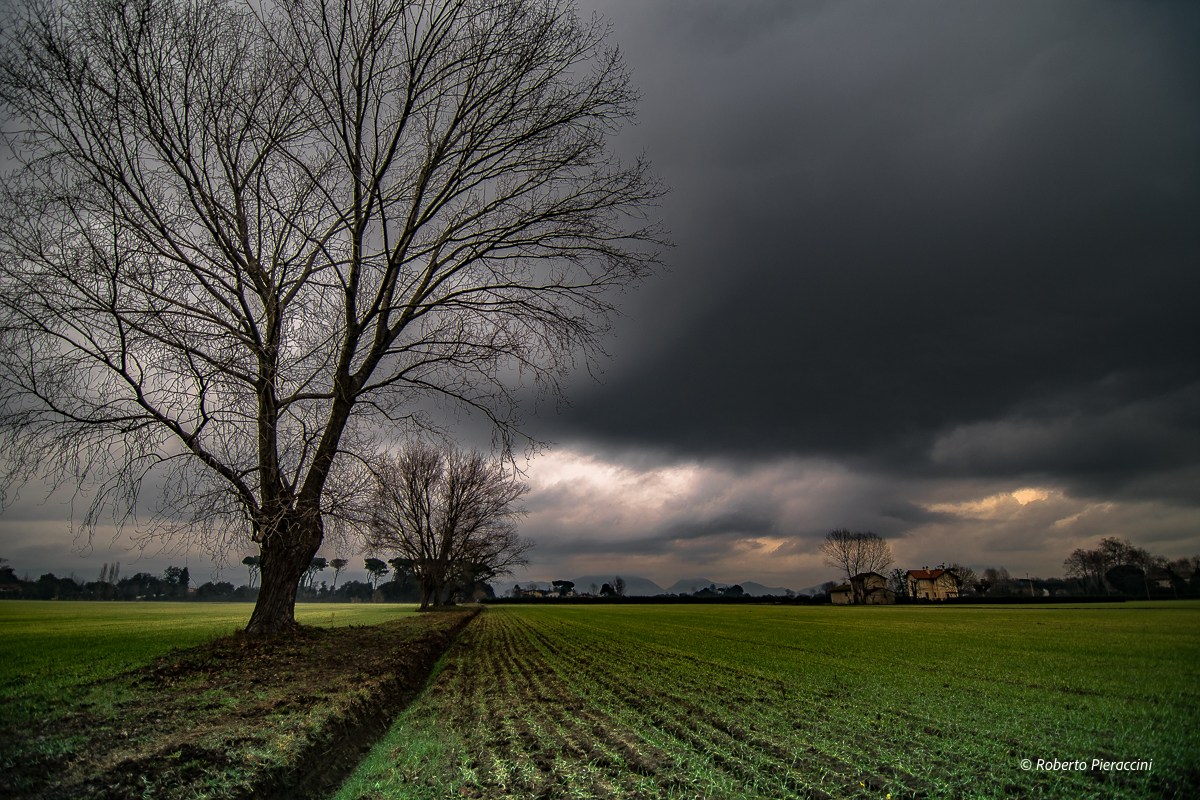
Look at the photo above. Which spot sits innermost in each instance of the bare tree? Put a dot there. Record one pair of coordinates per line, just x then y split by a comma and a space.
451, 515
244, 242
964, 575
1088, 566
855, 553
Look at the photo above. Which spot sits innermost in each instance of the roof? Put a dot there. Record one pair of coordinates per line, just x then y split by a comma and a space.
845, 587
926, 574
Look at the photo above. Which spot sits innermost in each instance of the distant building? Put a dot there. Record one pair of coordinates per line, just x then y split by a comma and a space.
865, 588
932, 584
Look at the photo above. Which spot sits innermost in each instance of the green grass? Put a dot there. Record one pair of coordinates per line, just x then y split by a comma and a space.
50, 646
777, 701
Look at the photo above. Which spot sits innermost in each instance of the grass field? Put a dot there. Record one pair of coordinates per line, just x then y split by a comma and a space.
777, 701
50, 647
126, 700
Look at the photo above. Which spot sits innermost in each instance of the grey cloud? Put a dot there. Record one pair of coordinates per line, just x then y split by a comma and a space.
913, 513
734, 523
1103, 450
896, 221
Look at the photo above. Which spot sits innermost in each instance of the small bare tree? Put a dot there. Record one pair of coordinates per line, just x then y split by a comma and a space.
966, 577
449, 514
855, 553
245, 241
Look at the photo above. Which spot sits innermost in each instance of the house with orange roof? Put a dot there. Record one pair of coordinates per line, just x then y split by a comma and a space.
933, 584
865, 588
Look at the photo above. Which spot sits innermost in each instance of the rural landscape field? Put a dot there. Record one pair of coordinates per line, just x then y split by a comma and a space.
753, 701
773, 702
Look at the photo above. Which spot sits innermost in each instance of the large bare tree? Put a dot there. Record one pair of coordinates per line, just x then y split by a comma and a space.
243, 243
450, 515
855, 553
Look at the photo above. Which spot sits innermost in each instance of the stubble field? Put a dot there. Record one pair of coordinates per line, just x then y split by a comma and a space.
779, 701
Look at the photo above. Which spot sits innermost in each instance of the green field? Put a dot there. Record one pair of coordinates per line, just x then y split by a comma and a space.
50, 647
779, 701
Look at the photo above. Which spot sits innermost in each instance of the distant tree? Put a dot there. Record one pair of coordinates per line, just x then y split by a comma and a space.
376, 569
898, 582
310, 574
826, 589
1093, 566
855, 553
142, 585
966, 576
451, 514
214, 591
733, 591
338, 565
998, 582
176, 579
251, 563
618, 586
1126, 579
563, 588
595, 590
1180, 571
607, 591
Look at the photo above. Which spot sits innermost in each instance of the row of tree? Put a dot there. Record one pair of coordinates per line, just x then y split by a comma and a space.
174, 584
1115, 566
614, 588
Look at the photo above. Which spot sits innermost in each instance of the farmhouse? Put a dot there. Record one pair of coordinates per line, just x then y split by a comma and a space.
867, 588
932, 584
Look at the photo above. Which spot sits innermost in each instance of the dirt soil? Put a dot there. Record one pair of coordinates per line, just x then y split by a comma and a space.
240, 717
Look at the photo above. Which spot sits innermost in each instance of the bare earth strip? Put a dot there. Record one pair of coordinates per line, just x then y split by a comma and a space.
238, 717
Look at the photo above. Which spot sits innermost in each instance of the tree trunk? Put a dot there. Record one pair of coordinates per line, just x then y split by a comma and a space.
286, 554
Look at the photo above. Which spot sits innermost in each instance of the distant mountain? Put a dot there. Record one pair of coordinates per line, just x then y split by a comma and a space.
634, 584
693, 585
758, 590
502, 588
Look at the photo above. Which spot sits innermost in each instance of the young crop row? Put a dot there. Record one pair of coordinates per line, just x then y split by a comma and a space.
663, 702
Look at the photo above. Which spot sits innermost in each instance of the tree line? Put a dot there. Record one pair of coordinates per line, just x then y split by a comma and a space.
1115, 566
174, 584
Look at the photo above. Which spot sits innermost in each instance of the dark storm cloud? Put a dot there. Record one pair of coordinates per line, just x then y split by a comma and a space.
899, 224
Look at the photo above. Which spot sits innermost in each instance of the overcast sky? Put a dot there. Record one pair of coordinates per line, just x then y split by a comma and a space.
936, 276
